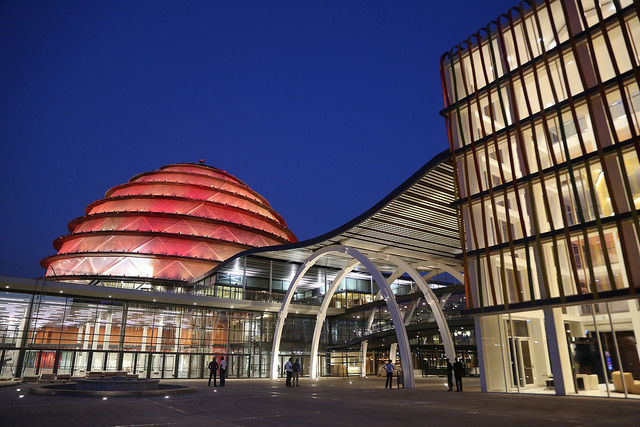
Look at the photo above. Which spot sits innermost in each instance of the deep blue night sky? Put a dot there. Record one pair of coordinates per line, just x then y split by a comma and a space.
323, 107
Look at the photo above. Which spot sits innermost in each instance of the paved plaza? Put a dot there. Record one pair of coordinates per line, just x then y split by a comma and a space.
327, 401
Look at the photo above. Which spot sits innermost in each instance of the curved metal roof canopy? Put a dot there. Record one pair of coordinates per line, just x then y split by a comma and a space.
416, 222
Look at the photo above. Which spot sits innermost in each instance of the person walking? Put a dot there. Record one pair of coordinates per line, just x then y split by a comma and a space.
449, 375
223, 371
389, 368
288, 367
213, 369
296, 372
458, 371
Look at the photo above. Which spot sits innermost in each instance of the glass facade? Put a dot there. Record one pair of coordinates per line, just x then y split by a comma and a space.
542, 108
46, 334
55, 335
598, 340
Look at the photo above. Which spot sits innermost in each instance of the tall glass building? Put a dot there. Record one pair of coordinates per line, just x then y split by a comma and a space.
542, 109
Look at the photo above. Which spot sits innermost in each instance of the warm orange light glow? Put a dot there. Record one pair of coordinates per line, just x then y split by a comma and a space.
175, 223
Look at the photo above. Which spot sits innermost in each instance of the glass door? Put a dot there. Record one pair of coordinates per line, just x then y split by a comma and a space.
142, 359
183, 365
515, 365
195, 370
46, 362
204, 363
281, 361
80, 365
7, 363
127, 362
169, 366
257, 369
156, 366
97, 361
66, 360
239, 366
525, 361
30, 361
112, 361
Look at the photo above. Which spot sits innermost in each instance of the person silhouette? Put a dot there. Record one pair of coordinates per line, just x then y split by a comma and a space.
213, 369
223, 371
296, 373
289, 368
389, 368
449, 375
458, 370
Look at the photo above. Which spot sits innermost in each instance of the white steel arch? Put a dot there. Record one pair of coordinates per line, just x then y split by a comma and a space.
387, 295
444, 267
322, 314
385, 292
432, 300
365, 343
430, 297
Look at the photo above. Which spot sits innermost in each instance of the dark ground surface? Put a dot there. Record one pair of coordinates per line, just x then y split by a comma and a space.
328, 401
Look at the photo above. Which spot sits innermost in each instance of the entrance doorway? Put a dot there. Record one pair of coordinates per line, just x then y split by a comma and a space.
239, 366
521, 362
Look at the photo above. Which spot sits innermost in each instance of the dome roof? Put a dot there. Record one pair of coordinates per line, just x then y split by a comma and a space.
175, 223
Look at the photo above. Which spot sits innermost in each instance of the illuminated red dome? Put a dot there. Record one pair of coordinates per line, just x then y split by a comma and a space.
175, 223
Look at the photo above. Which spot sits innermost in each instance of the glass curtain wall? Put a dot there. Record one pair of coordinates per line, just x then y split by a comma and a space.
544, 151
598, 350
58, 335
542, 107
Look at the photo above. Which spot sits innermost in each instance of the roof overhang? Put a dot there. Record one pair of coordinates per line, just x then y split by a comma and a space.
417, 222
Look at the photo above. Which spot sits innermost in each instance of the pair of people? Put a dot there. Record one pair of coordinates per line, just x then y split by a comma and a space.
213, 369
293, 372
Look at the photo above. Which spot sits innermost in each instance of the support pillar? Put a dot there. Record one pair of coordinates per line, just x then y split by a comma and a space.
558, 351
143, 346
363, 355
24, 339
393, 349
106, 340
480, 350
96, 333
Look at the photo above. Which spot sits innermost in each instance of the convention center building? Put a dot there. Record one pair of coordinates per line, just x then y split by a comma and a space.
186, 262
542, 108
515, 250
